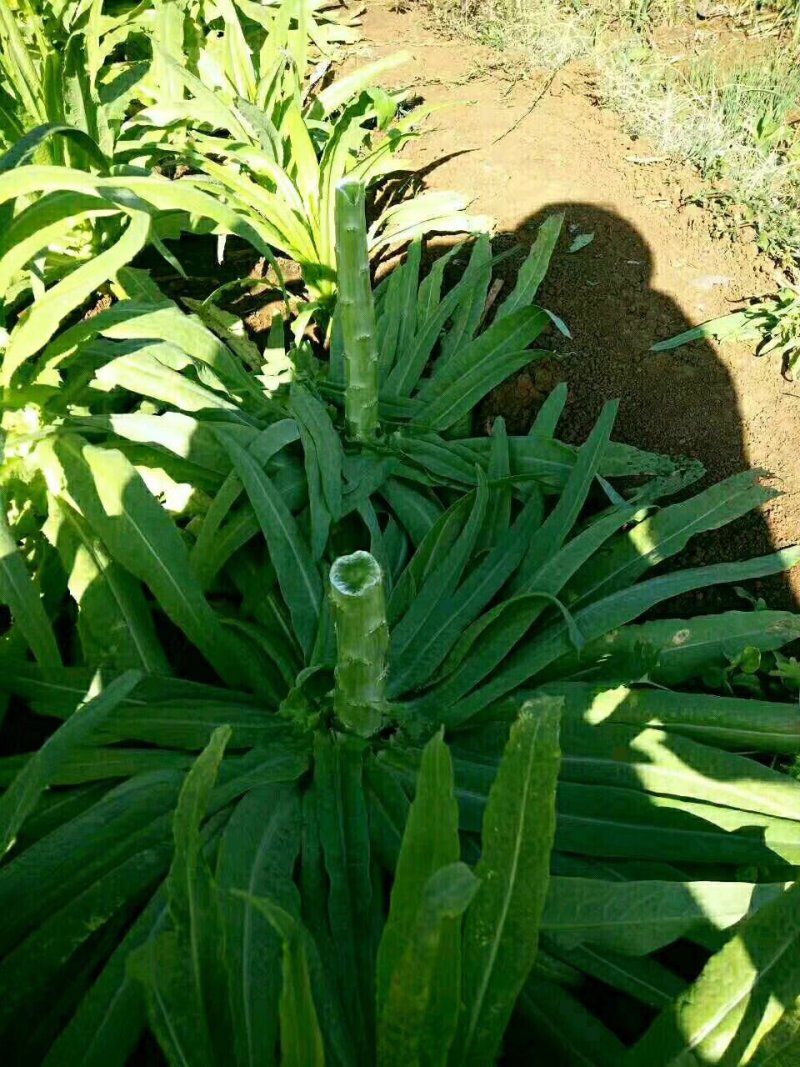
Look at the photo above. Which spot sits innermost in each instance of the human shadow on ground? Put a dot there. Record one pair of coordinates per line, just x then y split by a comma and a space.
680, 403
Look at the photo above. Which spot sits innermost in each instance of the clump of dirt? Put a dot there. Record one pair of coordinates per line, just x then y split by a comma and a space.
517, 398
653, 267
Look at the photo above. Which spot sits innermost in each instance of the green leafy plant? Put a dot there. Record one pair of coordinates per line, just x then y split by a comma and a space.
269, 140
773, 322
274, 145
410, 981
370, 860
75, 63
54, 251
495, 596
415, 359
143, 731
61, 75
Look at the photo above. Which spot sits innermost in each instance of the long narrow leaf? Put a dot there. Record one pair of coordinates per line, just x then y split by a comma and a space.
298, 577
21, 797
430, 843
501, 931
739, 996
19, 593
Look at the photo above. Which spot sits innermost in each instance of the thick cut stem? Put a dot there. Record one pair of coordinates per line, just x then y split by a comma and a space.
357, 312
362, 639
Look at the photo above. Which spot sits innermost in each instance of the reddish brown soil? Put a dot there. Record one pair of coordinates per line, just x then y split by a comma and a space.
652, 269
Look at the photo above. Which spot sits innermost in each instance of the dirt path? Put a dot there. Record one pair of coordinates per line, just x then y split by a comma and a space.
652, 268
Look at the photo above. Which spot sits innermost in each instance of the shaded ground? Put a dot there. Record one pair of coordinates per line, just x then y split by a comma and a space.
652, 268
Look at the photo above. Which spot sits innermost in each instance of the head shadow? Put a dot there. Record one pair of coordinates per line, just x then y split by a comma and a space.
682, 403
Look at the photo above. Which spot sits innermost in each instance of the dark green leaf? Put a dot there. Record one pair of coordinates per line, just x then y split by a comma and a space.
430, 843
532, 272
410, 1031
301, 1038
501, 931
19, 593
344, 836
298, 577
257, 855
20, 799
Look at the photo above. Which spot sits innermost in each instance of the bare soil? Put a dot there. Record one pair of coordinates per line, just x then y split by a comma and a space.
522, 149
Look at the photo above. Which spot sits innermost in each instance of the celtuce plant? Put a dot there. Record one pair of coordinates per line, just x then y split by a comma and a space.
275, 798
81, 230
499, 589
657, 811
273, 145
415, 329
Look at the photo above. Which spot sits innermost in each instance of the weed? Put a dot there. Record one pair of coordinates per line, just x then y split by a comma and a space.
774, 322
735, 124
